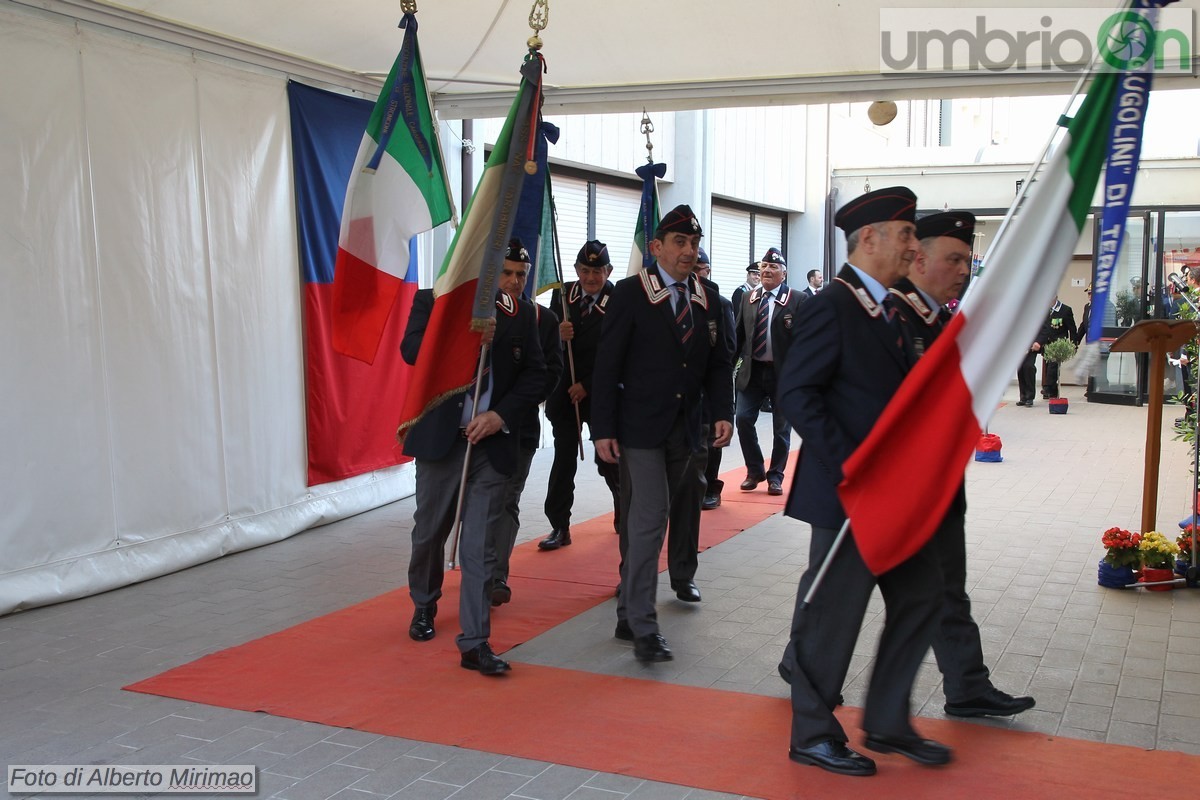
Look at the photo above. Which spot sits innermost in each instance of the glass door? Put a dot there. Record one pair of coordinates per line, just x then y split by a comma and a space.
1118, 377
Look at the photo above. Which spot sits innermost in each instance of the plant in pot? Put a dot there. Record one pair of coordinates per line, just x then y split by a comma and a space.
1127, 308
1184, 543
1121, 555
1158, 560
1056, 352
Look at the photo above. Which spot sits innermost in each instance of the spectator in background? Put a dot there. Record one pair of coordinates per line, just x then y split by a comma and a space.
752, 280
1085, 319
816, 281
1060, 324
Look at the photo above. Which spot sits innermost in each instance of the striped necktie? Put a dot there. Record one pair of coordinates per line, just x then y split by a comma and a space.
683, 313
759, 345
587, 304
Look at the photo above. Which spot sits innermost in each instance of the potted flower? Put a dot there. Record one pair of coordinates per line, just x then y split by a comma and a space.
1121, 555
1184, 543
1056, 352
1158, 560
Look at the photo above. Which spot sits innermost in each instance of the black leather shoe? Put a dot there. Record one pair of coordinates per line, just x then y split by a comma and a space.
651, 648
922, 751
623, 631
484, 661
833, 757
750, 484
710, 502
559, 537
686, 591
992, 703
774, 488
501, 594
421, 629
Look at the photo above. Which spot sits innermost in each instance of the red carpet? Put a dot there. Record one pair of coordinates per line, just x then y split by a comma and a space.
357, 668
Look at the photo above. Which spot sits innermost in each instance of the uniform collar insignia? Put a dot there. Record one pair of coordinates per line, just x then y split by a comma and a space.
656, 293
652, 285
863, 297
917, 303
506, 304
781, 294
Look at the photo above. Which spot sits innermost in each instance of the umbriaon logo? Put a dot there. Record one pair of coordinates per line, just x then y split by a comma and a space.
1032, 40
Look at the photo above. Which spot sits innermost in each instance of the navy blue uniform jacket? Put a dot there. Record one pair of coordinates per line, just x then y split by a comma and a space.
645, 375
845, 363
518, 375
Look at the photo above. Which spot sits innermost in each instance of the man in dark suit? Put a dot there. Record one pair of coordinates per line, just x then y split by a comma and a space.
513, 383
586, 304
1027, 371
1059, 324
766, 323
713, 484
937, 276
660, 354
504, 537
815, 281
753, 277
846, 361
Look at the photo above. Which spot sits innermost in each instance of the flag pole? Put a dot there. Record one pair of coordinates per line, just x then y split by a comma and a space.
820, 576
562, 296
462, 483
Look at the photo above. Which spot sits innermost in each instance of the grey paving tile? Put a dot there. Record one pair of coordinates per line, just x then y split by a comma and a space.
652, 790
311, 759
425, 790
1184, 729
593, 793
324, 783
522, 766
555, 783
492, 784
378, 753
1132, 709
395, 775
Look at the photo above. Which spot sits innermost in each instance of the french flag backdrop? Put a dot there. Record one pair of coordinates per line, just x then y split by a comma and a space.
352, 407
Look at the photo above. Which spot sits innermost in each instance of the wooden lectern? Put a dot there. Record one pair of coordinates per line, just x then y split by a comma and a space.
1156, 337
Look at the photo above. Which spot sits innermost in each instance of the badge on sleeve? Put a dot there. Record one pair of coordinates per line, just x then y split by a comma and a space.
712, 333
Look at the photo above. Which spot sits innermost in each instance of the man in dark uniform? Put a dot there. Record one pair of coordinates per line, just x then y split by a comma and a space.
1027, 371
660, 353
938, 275
700, 478
766, 323
513, 383
1060, 324
846, 361
587, 303
713, 484
500, 544
753, 277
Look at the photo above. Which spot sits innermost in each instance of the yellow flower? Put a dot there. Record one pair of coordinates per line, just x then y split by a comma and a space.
1157, 550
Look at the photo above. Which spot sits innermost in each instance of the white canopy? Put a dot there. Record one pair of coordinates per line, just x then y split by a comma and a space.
616, 55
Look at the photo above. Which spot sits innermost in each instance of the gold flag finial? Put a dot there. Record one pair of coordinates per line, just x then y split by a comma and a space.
539, 18
408, 6
648, 128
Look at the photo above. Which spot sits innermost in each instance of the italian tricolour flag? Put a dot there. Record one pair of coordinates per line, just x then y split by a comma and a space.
397, 189
465, 288
900, 481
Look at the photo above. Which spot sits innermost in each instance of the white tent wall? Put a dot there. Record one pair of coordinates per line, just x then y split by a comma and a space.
153, 401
